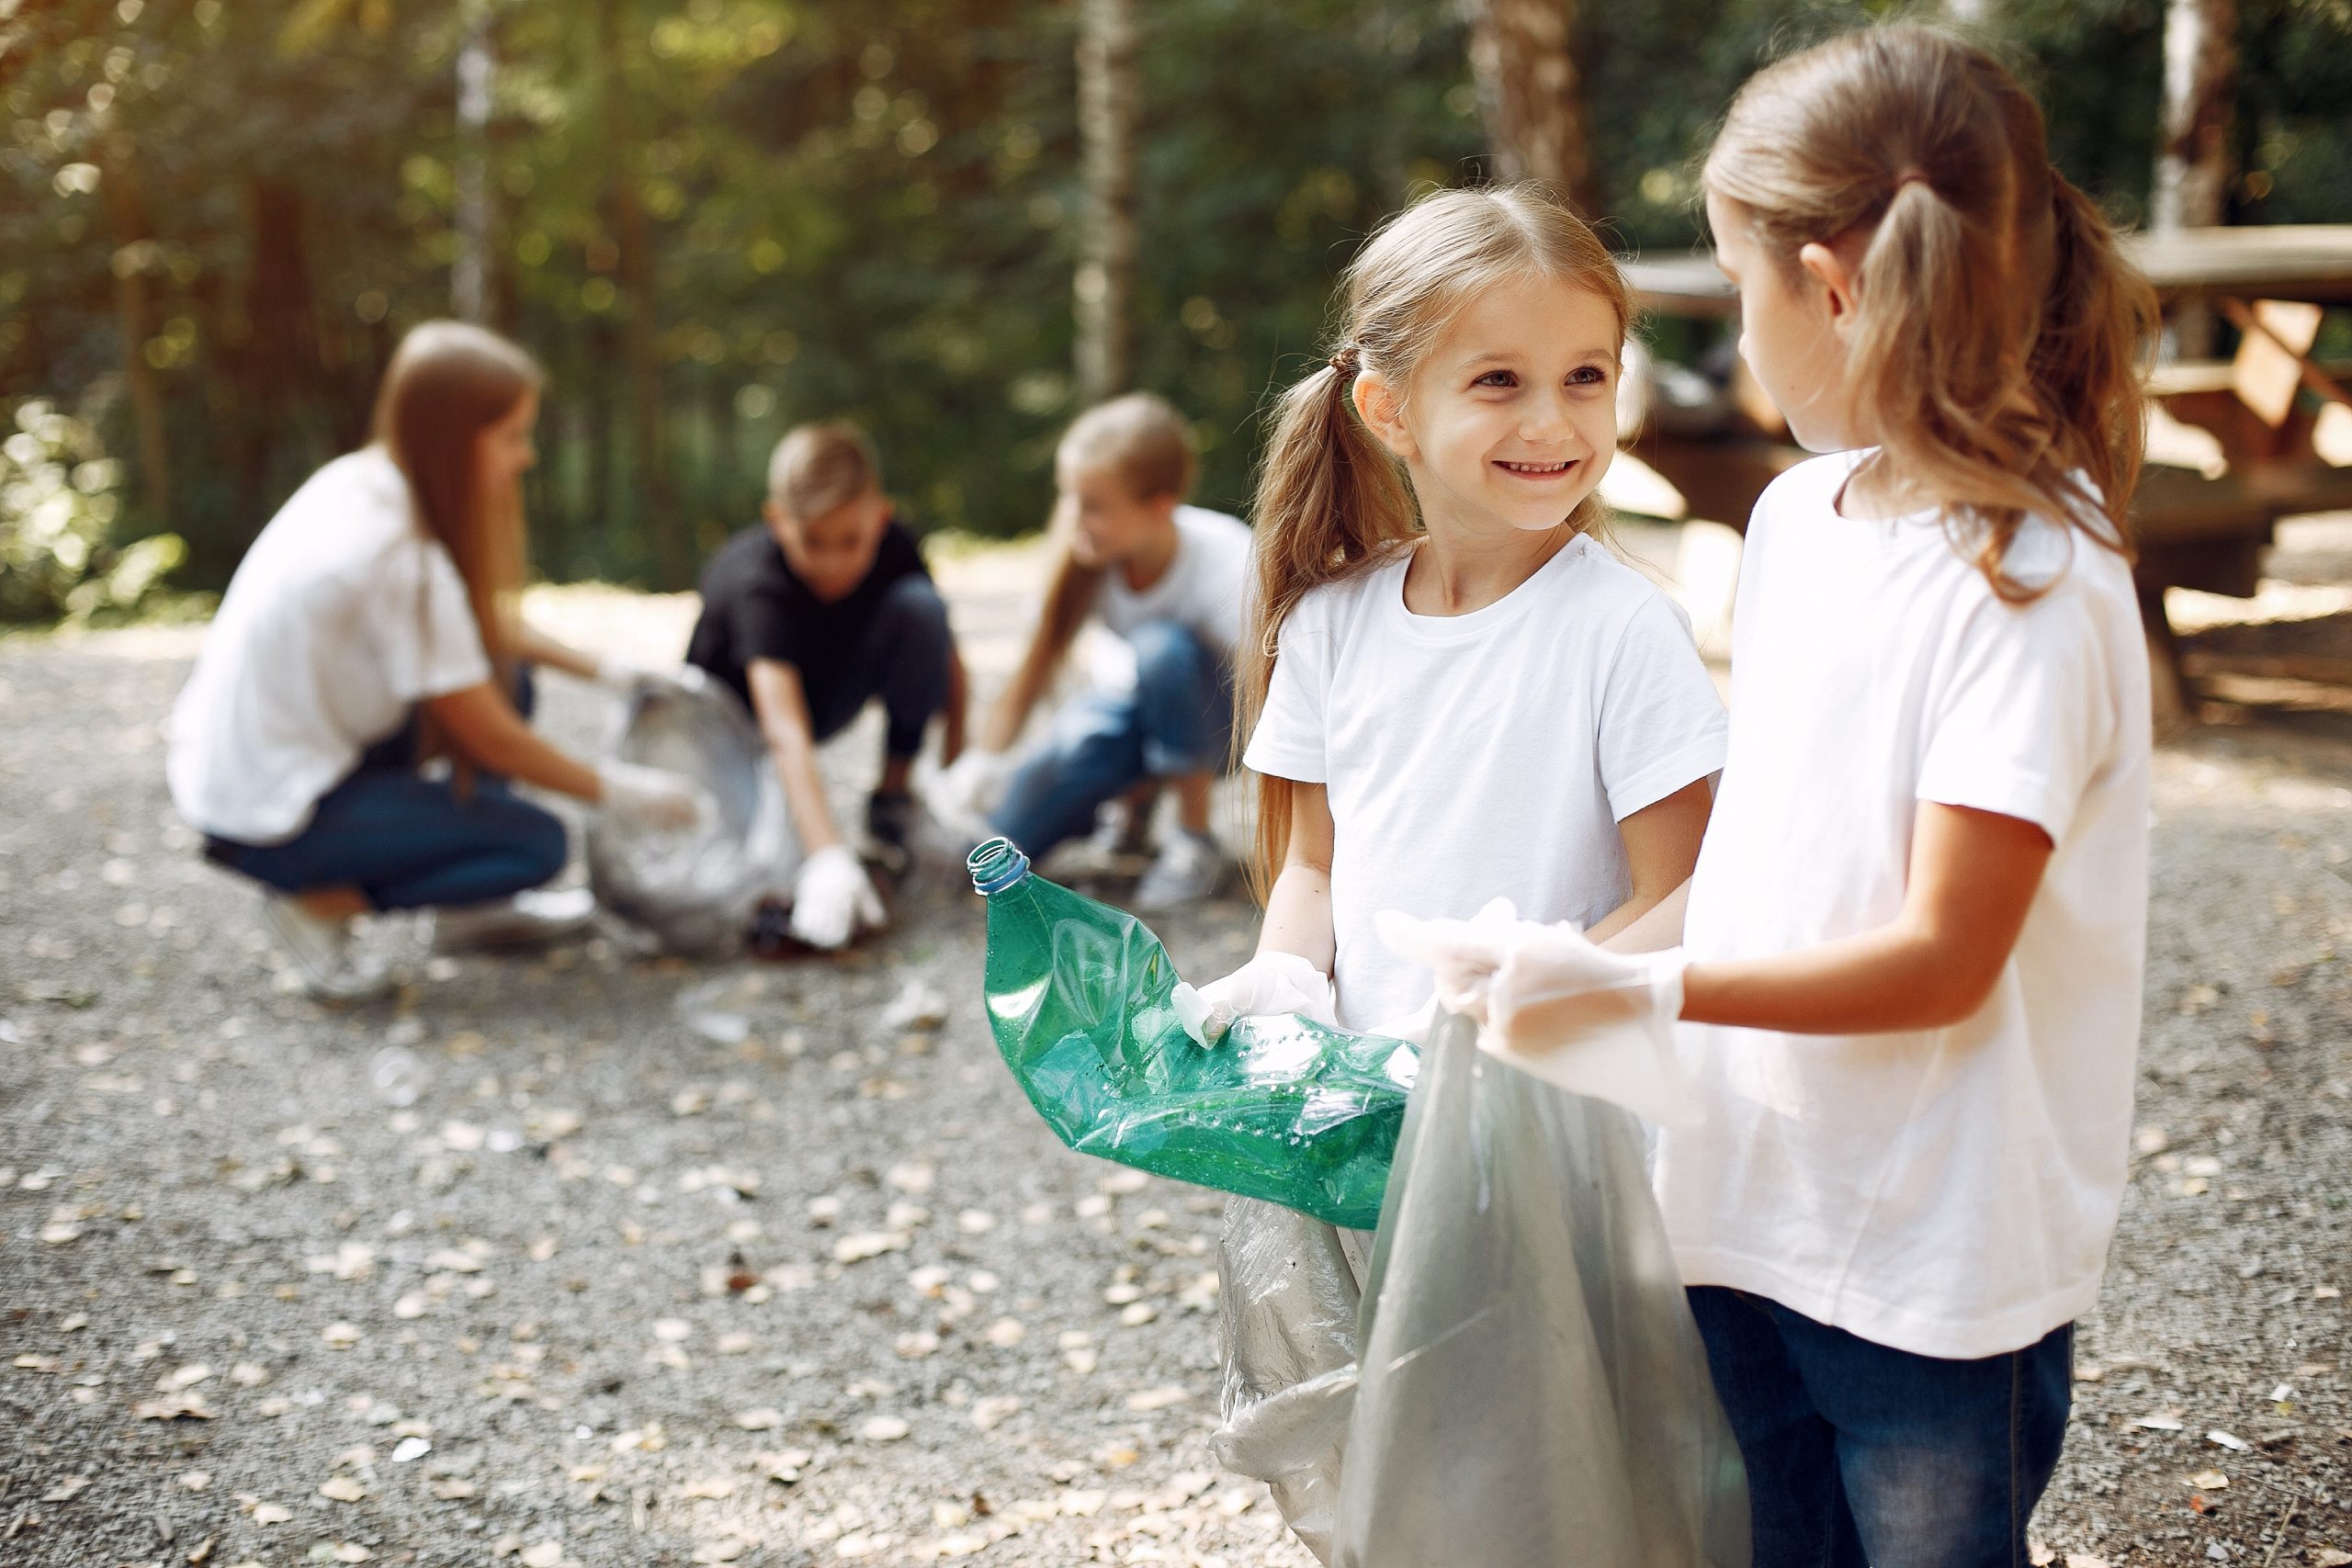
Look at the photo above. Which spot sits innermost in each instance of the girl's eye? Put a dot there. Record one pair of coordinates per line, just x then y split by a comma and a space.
1497, 379
1588, 376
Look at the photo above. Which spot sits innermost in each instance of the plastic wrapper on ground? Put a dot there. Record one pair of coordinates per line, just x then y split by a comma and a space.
695, 890
1527, 1386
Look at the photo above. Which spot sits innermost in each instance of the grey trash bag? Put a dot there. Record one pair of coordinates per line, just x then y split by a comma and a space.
696, 891
1529, 1385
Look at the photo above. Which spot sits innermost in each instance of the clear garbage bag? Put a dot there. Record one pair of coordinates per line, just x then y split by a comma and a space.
1527, 1385
695, 890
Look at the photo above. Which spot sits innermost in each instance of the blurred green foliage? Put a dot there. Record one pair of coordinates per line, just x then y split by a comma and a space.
58, 558
796, 209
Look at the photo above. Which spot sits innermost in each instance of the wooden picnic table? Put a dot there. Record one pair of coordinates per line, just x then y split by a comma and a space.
2194, 528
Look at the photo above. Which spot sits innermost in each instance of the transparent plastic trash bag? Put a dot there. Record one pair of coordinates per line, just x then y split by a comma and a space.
695, 889
1528, 1385
1080, 1000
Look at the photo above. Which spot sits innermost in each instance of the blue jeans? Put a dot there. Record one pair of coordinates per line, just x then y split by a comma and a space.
1178, 720
409, 842
901, 659
1862, 1456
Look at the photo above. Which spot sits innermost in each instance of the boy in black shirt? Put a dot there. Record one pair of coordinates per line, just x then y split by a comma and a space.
809, 616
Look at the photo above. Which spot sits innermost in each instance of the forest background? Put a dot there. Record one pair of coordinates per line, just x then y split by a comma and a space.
944, 218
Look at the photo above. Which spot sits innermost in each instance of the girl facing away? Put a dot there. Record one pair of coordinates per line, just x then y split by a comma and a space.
1910, 964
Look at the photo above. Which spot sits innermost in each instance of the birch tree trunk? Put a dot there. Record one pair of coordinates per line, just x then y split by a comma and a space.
469, 273
1531, 93
1104, 289
133, 256
639, 344
2193, 155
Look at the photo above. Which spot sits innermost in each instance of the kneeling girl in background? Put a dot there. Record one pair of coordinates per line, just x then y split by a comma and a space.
370, 628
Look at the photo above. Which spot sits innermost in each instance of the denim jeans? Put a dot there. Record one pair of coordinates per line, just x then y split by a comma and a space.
408, 841
1862, 1456
902, 659
1176, 720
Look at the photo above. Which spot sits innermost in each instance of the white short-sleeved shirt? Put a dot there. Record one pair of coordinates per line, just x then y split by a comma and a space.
342, 616
1490, 755
1202, 590
1949, 1192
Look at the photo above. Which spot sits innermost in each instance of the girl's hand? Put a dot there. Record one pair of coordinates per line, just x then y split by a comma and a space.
1273, 982
1550, 1002
651, 797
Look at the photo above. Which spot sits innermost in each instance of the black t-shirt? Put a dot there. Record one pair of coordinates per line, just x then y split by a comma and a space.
755, 606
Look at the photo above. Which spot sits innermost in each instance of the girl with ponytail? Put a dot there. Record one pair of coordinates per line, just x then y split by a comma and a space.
1452, 692
1910, 964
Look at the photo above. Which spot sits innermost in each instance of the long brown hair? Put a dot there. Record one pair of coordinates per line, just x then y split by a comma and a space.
1140, 437
447, 383
1332, 501
2000, 336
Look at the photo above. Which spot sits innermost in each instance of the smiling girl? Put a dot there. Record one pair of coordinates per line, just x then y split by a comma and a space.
1453, 691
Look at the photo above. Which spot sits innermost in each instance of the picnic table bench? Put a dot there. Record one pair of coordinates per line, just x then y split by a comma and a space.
2247, 424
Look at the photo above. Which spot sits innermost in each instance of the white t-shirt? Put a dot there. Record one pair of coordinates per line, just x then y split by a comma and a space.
1201, 589
342, 616
1949, 1192
1490, 755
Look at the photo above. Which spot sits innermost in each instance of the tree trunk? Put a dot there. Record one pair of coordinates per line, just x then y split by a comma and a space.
469, 271
1531, 95
134, 250
630, 237
1105, 286
2200, 82
2193, 156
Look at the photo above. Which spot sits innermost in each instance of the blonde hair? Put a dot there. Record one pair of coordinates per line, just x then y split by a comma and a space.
817, 467
1332, 500
447, 383
1142, 439
2000, 336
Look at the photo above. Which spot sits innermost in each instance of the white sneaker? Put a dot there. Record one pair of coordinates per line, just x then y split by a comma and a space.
1185, 872
327, 963
536, 918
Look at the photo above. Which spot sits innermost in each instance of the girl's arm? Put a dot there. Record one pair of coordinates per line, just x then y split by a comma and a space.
486, 731
1070, 591
1661, 846
1298, 906
535, 647
959, 706
1971, 879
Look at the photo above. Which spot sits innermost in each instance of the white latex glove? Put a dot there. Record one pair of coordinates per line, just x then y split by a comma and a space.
960, 796
832, 898
1270, 983
1553, 1003
974, 784
620, 672
652, 797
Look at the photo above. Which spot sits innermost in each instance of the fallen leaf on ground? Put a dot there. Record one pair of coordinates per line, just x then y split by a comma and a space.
339, 1336
342, 1489
858, 1247
763, 1419
2231, 1441
726, 1551
271, 1512
988, 1413
1159, 1398
882, 1429
2208, 1480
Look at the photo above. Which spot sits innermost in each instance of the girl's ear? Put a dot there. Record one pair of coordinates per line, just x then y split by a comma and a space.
1830, 273
1383, 414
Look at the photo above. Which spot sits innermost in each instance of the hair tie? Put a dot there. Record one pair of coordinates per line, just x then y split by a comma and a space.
1911, 177
1345, 362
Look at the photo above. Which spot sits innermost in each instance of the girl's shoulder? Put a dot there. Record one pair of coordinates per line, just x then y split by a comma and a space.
1343, 601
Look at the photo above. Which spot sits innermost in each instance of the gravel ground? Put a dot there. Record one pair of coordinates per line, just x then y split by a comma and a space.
669, 1264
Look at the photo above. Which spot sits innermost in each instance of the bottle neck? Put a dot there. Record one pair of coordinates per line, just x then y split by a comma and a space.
997, 865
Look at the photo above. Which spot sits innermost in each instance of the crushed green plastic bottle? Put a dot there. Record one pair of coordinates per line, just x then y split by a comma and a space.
1282, 1108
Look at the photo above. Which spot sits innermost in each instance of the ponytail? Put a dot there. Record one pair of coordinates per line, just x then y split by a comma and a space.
1332, 503
1995, 359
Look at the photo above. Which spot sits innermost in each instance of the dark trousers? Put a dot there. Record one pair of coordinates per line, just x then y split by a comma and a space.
407, 841
1862, 1456
902, 659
